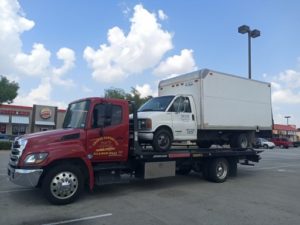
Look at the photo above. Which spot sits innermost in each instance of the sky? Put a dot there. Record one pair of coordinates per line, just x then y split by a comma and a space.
62, 50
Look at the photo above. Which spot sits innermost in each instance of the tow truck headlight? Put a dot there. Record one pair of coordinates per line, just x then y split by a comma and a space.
145, 124
36, 158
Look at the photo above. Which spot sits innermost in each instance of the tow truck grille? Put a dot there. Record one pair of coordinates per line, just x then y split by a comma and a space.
15, 154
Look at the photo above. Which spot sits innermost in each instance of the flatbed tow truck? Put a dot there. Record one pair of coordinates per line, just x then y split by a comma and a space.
99, 145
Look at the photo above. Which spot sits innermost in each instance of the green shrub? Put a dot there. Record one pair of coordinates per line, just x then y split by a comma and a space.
5, 145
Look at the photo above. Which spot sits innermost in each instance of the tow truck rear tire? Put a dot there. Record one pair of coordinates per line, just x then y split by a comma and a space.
63, 184
162, 140
218, 170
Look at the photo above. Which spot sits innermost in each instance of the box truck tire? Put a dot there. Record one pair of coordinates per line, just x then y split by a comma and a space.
162, 140
240, 141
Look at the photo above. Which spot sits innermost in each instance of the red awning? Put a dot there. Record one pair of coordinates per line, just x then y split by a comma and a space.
284, 127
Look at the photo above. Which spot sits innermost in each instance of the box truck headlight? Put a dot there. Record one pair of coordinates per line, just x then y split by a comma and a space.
145, 124
36, 158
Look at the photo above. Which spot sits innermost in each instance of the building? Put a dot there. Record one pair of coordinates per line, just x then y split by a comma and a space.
17, 120
285, 131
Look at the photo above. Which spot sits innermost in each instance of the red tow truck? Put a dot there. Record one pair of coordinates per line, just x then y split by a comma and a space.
99, 145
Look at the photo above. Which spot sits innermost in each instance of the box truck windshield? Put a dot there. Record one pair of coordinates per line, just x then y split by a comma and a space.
156, 104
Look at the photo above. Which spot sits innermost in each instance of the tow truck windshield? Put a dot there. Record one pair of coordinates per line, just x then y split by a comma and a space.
156, 104
76, 115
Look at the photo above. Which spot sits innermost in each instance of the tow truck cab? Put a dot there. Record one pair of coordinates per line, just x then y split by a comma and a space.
94, 130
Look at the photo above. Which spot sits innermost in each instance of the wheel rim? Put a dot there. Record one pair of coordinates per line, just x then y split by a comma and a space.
64, 185
244, 141
163, 141
221, 170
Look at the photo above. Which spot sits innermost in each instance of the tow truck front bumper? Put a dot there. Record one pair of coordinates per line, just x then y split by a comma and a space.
24, 177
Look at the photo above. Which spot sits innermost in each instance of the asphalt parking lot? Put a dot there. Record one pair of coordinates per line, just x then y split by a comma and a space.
268, 193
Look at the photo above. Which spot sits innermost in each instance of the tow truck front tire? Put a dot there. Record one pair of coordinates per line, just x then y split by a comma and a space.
63, 184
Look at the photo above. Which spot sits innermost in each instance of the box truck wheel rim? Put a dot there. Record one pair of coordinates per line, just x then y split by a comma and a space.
242, 141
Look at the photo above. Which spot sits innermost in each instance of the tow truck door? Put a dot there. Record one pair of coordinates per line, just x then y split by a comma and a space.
183, 119
107, 139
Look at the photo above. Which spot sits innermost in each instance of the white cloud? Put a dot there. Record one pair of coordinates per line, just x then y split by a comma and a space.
125, 9
68, 57
39, 95
146, 90
36, 63
177, 64
286, 95
86, 89
142, 48
290, 78
162, 15
20, 66
12, 25
286, 87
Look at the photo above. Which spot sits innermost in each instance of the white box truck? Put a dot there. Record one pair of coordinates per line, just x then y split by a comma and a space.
206, 107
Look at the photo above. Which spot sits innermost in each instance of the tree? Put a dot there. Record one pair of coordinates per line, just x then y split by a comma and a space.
114, 93
8, 90
135, 96
119, 93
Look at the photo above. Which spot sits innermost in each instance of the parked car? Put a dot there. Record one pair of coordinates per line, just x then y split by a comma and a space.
4, 137
282, 142
264, 143
296, 144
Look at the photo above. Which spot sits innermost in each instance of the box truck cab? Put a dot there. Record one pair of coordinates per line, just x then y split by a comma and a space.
167, 118
206, 107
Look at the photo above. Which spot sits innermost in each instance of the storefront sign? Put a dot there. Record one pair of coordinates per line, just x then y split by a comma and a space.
14, 112
45, 113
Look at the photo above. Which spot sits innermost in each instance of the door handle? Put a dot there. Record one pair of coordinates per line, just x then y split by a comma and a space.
193, 117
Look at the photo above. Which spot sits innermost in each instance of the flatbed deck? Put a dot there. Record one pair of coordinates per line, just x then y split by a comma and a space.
249, 154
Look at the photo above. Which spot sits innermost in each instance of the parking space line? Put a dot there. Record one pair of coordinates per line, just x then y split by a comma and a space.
29, 189
79, 219
273, 167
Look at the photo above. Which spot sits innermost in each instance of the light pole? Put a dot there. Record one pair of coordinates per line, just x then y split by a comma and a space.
287, 119
251, 34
